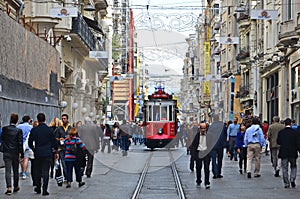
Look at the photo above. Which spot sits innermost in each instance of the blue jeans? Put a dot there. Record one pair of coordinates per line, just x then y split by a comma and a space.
285, 162
63, 162
217, 158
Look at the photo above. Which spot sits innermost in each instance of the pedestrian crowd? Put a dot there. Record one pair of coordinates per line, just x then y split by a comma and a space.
54, 150
59, 148
245, 142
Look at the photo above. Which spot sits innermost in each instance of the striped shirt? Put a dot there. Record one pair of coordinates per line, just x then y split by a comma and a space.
68, 144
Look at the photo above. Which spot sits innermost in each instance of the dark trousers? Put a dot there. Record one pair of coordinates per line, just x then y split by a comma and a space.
11, 161
232, 147
192, 163
243, 158
89, 165
217, 158
70, 165
199, 163
42, 171
33, 171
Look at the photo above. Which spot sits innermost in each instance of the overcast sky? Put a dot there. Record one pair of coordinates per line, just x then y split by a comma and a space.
172, 14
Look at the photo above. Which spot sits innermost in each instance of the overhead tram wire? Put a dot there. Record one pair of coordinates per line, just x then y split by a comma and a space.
186, 7
153, 33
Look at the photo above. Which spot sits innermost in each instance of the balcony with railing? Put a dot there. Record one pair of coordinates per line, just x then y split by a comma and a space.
80, 27
244, 93
243, 20
288, 35
243, 56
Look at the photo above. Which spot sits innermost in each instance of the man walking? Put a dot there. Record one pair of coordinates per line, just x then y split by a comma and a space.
287, 139
89, 134
254, 140
218, 153
199, 146
26, 128
191, 136
274, 128
232, 131
12, 140
42, 141
61, 133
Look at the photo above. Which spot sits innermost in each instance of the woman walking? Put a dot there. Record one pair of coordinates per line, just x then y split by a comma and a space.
241, 148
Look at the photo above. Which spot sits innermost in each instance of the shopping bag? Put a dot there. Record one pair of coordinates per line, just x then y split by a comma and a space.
58, 174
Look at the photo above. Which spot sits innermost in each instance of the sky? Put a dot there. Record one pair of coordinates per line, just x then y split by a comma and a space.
161, 32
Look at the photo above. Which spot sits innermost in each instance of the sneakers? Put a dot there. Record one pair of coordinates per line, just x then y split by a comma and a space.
80, 184
241, 171
198, 185
219, 176
207, 186
24, 175
257, 175
8, 192
293, 184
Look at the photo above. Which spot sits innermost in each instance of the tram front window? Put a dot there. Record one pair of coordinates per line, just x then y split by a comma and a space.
156, 113
164, 111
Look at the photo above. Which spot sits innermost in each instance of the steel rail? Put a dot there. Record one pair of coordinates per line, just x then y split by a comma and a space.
176, 178
142, 178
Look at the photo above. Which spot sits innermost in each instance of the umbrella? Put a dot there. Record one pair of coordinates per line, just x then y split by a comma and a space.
212, 137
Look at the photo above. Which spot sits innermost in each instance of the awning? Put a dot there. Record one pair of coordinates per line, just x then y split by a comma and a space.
93, 24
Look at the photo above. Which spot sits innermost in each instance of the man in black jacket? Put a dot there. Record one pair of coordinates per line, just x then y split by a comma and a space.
42, 141
287, 139
199, 149
12, 140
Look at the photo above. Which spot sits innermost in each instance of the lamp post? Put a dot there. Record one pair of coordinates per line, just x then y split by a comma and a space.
74, 107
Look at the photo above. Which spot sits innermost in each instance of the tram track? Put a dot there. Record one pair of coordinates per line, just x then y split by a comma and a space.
151, 183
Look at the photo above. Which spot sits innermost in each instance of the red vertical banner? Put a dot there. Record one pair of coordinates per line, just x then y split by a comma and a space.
131, 66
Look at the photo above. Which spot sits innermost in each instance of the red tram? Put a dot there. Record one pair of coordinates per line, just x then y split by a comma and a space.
160, 111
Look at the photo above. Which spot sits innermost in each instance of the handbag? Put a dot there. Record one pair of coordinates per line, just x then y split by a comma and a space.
58, 174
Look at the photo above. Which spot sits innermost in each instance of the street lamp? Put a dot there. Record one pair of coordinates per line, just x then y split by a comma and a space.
62, 105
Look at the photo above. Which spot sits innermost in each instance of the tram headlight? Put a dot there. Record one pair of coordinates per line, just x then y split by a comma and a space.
160, 131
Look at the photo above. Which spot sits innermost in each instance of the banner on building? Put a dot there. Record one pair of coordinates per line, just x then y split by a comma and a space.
264, 14
98, 54
61, 12
206, 58
206, 88
229, 40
